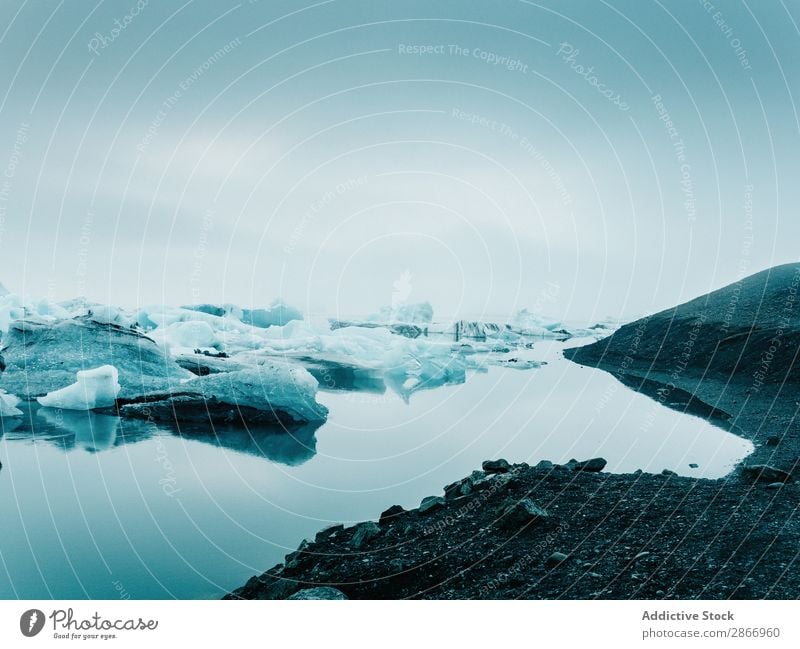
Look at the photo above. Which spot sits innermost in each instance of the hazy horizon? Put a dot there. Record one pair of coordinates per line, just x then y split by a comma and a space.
583, 161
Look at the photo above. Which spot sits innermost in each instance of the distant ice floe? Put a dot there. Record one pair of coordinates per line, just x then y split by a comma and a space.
239, 365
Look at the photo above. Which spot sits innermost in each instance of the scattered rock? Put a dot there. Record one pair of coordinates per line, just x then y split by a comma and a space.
693, 465
496, 466
517, 514
544, 465
595, 465
364, 532
641, 555
555, 559
328, 532
431, 503
323, 592
389, 514
668, 473
766, 473
463, 487
293, 559
774, 485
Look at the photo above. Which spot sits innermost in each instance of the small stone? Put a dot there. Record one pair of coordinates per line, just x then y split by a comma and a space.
555, 559
364, 532
431, 503
593, 575
641, 555
519, 513
544, 465
328, 532
659, 593
390, 514
773, 440
667, 472
775, 485
496, 466
766, 473
322, 592
595, 465
693, 465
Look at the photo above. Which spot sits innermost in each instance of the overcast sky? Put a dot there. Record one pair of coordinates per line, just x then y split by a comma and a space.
580, 158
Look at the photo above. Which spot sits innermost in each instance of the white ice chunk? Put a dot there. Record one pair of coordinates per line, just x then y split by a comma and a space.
8, 405
97, 388
191, 334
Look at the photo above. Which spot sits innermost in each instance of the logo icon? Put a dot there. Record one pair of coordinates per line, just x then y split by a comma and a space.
31, 622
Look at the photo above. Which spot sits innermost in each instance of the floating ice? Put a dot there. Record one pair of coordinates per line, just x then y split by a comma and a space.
43, 356
8, 404
272, 393
97, 388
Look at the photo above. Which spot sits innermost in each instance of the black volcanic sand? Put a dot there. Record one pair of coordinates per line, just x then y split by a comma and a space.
731, 356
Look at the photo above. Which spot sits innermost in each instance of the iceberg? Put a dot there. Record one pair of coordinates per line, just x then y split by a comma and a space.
42, 357
272, 393
97, 388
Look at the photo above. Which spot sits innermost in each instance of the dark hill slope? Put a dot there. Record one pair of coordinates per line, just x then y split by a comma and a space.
734, 353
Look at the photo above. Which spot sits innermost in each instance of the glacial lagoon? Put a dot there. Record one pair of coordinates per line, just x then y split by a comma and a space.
99, 507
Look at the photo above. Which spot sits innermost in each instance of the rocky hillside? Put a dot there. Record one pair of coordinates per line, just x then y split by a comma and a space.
733, 354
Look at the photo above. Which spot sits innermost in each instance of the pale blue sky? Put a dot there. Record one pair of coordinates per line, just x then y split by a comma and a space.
234, 152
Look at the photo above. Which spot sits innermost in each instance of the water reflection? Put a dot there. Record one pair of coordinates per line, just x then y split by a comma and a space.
95, 432
80, 428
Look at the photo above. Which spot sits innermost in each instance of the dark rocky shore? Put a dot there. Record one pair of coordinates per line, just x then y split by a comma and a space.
573, 531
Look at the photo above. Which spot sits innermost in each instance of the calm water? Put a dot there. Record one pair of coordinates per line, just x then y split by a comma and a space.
96, 507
